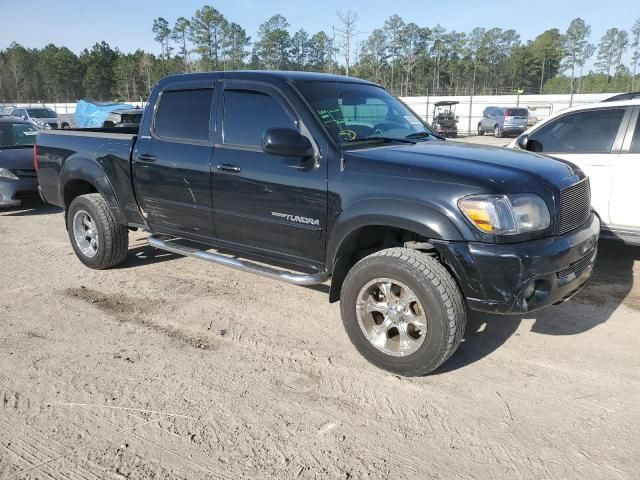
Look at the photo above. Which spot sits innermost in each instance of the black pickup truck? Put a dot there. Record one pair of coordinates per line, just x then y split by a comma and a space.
308, 177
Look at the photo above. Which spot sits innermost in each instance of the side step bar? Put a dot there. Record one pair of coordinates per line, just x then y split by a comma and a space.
246, 266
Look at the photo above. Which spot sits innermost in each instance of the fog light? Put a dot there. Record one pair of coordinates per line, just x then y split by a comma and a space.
529, 291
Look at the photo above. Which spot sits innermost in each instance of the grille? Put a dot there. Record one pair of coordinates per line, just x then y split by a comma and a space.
575, 206
577, 267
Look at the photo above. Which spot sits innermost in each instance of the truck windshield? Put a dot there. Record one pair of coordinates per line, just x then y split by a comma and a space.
359, 114
17, 135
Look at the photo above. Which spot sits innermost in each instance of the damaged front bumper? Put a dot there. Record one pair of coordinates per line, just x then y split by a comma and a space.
522, 277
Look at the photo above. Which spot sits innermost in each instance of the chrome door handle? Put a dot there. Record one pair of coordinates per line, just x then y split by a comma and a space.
227, 167
143, 157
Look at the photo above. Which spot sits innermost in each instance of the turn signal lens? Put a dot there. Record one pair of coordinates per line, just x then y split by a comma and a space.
506, 214
480, 218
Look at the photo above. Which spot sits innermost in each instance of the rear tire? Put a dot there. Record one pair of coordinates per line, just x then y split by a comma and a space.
403, 311
497, 132
97, 238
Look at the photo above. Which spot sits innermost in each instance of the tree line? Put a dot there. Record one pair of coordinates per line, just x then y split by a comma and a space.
406, 58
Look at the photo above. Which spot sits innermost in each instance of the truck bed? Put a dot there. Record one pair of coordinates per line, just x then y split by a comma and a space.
101, 155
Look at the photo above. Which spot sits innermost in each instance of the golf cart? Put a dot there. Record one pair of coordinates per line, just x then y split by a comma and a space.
445, 121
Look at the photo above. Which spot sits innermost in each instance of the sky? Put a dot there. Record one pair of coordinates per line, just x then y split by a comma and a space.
127, 24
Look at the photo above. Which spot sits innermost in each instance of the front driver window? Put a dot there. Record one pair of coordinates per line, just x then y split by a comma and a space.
591, 131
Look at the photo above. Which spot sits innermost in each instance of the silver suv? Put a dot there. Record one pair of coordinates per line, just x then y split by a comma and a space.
503, 120
43, 117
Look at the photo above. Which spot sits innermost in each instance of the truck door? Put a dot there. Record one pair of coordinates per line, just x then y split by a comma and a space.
266, 204
171, 165
622, 208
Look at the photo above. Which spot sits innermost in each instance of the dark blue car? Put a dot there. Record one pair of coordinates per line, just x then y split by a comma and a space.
18, 177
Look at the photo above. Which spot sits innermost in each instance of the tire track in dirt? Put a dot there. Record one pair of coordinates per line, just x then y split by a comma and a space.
19, 402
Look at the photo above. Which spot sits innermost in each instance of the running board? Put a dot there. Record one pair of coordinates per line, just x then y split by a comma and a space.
245, 266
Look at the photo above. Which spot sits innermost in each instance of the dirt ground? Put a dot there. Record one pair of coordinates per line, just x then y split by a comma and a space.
169, 368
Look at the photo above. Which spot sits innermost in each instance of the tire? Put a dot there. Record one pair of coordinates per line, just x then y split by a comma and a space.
89, 217
437, 298
497, 132
480, 130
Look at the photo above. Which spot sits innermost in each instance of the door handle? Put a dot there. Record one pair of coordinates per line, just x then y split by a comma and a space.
143, 157
227, 167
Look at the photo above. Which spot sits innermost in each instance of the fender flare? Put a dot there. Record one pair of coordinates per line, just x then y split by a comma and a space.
90, 171
423, 219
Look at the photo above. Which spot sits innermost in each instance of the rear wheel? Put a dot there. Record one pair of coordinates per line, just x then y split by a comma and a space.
497, 132
97, 238
403, 311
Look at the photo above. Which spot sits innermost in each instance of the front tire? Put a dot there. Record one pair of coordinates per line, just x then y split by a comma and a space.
480, 130
403, 311
98, 240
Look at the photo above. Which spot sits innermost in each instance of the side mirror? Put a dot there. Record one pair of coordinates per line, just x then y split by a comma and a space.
286, 142
523, 141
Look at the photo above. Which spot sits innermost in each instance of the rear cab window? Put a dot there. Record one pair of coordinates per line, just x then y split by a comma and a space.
184, 115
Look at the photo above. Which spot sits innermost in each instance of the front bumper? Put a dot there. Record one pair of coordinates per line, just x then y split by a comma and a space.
527, 276
12, 191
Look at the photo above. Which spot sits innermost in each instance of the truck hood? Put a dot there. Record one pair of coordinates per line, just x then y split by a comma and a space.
496, 169
17, 158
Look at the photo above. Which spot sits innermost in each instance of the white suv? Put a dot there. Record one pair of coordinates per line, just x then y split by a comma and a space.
603, 139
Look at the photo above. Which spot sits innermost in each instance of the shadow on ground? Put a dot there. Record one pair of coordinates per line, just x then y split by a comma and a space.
29, 207
610, 286
145, 254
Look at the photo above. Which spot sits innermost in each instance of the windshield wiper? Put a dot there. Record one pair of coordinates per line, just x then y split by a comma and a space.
383, 138
423, 135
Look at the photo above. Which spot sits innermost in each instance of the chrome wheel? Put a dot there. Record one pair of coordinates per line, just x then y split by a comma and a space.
85, 233
391, 317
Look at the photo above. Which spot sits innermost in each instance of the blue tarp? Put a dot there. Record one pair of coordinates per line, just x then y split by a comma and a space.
93, 114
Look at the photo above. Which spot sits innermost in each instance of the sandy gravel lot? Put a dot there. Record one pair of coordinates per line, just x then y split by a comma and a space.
168, 368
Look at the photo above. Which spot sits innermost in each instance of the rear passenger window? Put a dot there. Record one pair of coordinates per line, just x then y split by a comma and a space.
184, 114
248, 114
590, 131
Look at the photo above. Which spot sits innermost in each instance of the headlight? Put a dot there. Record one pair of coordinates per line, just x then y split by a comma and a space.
45, 126
4, 173
506, 214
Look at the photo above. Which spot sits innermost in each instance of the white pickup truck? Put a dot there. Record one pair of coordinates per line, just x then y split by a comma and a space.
603, 139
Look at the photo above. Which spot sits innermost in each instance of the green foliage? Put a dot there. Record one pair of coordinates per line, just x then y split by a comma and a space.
207, 26
610, 50
274, 42
99, 63
406, 58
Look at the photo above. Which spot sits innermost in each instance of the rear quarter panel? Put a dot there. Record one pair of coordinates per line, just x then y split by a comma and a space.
101, 159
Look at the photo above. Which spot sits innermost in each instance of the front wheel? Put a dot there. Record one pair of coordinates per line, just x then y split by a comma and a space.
403, 311
97, 238
480, 130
